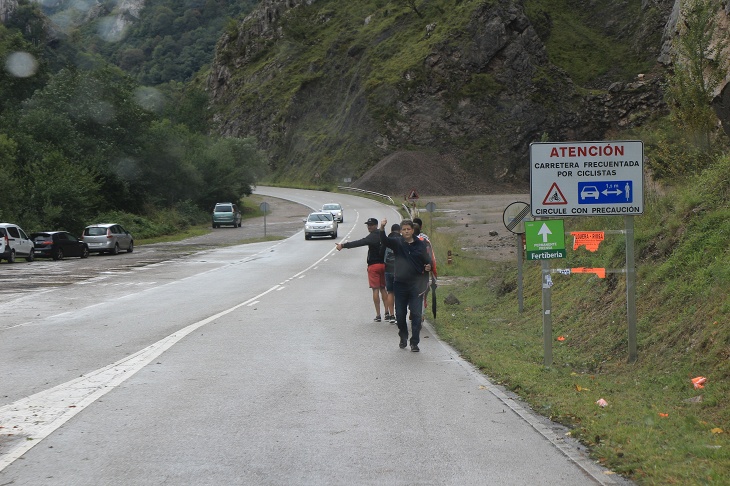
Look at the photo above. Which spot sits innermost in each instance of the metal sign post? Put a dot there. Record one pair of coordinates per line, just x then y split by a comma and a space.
514, 217
598, 178
264, 206
430, 207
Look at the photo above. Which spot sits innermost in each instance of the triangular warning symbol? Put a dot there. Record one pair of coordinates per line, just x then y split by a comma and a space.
554, 196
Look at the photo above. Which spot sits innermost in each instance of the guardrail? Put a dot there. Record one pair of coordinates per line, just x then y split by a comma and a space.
384, 196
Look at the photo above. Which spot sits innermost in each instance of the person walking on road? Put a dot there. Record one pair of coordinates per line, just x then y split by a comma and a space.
376, 267
389, 259
411, 261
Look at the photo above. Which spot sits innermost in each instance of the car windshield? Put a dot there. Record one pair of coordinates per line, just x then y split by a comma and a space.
96, 231
320, 217
331, 206
223, 209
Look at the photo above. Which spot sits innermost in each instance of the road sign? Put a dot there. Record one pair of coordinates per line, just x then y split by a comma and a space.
515, 215
545, 239
413, 194
431, 207
587, 178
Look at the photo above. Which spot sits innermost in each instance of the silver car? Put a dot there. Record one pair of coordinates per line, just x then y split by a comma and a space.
108, 238
336, 211
320, 224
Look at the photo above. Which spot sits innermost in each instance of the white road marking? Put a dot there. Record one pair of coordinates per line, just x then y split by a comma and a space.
34, 418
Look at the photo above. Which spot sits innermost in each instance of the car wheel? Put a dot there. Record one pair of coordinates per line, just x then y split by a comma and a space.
240, 223
131, 247
58, 254
215, 226
85, 253
115, 251
31, 256
334, 235
307, 237
11, 258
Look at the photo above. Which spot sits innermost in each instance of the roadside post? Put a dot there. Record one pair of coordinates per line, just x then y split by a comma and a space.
545, 240
514, 217
599, 178
430, 207
264, 206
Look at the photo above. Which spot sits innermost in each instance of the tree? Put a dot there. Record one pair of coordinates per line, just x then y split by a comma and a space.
698, 69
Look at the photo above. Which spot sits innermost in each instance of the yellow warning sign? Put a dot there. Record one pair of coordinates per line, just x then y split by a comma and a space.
554, 196
589, 239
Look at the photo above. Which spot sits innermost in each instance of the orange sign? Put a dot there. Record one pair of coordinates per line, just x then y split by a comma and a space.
591, 239
601, 272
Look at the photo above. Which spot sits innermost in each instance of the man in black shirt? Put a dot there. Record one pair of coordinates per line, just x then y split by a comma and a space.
376, 267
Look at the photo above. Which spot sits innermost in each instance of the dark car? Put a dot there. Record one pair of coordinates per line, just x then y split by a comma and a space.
58, 244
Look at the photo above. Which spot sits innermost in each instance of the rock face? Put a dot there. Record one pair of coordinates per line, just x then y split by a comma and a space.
7, 7
479, 99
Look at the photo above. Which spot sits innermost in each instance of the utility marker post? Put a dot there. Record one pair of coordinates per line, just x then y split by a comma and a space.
264, 206
631, 287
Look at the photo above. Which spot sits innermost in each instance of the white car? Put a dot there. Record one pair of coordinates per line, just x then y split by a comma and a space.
336, 211
320, 224
15, 243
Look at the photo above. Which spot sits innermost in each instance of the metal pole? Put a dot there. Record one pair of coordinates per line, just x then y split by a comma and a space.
520, 296
547, 323
631, 287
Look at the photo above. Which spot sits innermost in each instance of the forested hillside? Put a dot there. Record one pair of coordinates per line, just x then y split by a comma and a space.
81, 139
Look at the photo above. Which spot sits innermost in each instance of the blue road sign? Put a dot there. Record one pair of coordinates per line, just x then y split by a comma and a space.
607, 192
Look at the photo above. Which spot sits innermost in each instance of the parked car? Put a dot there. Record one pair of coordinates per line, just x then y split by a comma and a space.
320, 224
58, 244
15, 243
336, 211
107, 237
226, 214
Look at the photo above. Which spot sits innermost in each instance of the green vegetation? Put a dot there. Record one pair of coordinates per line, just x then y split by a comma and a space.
579, 44
657, 428
77, 144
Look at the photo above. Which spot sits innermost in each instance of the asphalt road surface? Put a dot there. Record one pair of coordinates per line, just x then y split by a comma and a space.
249, 364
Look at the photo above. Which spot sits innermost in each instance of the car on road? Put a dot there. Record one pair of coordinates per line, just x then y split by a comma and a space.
336, 210
58, 245
320, 224
15, 243
108, 238
226, 214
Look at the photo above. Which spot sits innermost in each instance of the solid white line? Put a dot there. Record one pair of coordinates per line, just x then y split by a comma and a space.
34, 418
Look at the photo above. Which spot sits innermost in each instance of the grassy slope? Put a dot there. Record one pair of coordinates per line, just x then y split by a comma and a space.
683, 266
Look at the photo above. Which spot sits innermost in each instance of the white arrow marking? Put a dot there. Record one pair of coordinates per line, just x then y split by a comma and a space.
606, 192
544, 231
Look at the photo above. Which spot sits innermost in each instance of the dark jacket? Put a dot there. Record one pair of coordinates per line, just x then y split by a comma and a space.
389, 257
410, 258
376, 251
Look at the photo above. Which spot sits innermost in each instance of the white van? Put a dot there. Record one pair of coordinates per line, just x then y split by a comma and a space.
15, 243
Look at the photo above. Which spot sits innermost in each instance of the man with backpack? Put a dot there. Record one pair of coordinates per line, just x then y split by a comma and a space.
376, 266
389, 260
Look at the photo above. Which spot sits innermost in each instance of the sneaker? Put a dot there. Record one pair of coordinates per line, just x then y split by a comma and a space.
392, 319
387, 317
403, 344
377, 319
414, 348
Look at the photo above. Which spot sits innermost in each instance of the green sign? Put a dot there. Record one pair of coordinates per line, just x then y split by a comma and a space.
545, 239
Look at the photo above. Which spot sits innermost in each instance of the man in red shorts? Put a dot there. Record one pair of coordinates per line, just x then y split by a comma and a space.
376, 265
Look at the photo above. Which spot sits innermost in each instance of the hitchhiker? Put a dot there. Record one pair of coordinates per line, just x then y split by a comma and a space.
376, 267
389, 259
411, 261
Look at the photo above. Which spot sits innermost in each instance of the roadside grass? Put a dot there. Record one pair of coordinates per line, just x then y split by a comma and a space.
657, 428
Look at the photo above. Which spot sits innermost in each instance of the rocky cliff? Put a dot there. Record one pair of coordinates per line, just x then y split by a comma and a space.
479, 91
7, 7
